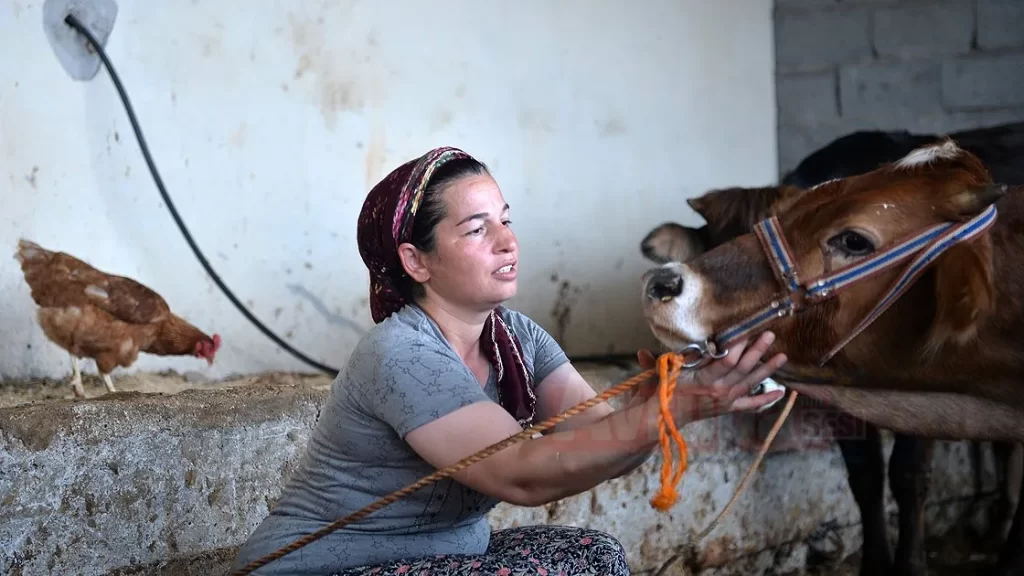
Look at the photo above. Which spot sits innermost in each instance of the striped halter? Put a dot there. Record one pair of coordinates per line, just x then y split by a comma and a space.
924, 248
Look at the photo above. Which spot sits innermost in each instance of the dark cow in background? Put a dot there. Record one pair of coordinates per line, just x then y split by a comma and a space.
999, 147
732, 212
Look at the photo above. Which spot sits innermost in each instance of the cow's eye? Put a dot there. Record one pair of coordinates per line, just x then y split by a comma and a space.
851, 243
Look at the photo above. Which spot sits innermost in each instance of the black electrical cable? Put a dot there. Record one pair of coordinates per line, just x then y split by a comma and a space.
73, 22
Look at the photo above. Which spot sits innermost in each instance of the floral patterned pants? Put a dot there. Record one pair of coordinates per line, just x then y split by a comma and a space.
530, 550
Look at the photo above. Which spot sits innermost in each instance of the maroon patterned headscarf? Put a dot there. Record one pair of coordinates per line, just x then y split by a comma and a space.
385, 222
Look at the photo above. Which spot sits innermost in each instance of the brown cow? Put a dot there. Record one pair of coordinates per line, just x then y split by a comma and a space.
949, 308
733, 212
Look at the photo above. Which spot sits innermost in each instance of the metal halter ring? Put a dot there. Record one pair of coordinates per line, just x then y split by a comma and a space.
705, 350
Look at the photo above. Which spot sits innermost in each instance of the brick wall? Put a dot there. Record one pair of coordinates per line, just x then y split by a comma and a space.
921, 65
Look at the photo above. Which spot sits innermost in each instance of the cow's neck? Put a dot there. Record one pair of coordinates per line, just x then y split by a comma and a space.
935, 415
992, 364
989, 366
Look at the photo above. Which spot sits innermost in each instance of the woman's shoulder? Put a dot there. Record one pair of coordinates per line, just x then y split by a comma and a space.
409, 334
522, 325
403, 372
405, 329
543, 353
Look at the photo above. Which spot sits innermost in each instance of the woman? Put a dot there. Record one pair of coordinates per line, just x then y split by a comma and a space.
446, 372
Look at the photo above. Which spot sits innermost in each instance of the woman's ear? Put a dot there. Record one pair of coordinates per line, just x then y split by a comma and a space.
413, 262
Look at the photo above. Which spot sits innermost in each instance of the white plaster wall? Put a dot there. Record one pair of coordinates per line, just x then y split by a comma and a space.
270, 121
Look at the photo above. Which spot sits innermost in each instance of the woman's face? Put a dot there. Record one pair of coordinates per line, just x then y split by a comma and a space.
475, 259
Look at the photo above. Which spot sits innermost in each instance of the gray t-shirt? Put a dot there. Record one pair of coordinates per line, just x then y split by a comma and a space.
401, 375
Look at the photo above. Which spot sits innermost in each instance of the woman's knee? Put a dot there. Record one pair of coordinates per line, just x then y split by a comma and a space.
603, 549
601, 539
581, 549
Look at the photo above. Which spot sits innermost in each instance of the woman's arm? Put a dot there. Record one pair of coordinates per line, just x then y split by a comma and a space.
538, 471
565, 463
565, 387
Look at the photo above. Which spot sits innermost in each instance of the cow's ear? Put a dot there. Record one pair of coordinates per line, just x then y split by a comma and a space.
699, 205
717, 204
786, 196
741, 208
963, 203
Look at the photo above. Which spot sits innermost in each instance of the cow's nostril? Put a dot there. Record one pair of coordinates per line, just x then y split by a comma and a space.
665, 285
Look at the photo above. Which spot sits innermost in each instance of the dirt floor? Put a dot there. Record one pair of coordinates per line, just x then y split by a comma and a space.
17, 393
952, 554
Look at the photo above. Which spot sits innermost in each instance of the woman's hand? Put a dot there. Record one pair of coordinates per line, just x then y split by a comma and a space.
723, 385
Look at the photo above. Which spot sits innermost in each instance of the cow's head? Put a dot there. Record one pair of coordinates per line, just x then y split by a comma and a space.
728, 213
843, 222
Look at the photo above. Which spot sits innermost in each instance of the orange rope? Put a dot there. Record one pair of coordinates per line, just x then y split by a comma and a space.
667, 431
668, 370
688, 550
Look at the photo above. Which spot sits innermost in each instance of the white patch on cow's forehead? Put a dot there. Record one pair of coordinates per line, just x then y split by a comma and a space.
825, 183
946, 151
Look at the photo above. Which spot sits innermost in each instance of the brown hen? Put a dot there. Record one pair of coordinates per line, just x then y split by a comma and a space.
108, 318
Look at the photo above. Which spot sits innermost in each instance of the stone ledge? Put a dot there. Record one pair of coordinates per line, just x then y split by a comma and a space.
154, 483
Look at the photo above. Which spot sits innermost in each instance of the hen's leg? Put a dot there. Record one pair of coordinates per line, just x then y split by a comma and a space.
108, 383
76, 378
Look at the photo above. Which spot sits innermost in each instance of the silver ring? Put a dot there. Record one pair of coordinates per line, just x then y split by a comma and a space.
719, 355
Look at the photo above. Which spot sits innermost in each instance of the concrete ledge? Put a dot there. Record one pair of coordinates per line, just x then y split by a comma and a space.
154, 484
95, 485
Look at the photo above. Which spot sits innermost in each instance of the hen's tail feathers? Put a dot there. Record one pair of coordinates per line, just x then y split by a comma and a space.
29, 251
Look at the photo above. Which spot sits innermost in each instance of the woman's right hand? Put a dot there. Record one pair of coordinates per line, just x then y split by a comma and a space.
723, 385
